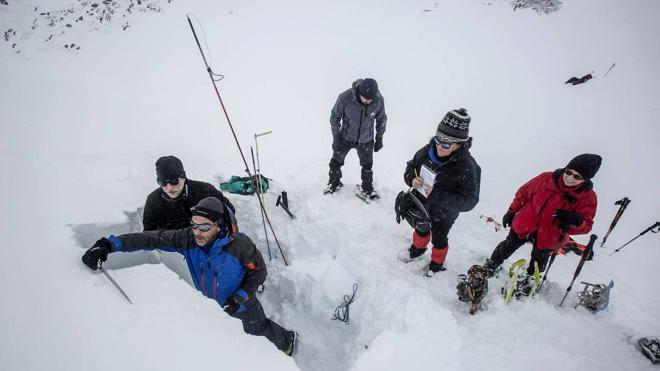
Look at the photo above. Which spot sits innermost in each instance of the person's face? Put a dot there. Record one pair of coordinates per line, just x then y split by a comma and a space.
199, 224
172, 188
444, 149
366, 100
572, 178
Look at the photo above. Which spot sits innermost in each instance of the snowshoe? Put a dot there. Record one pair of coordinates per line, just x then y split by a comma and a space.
536, 280
515, 271
365, 196
526, 285
332, 188
410, 254
650, 347
472, 287
595, 297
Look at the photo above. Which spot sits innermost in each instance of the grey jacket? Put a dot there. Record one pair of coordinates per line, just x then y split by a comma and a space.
354, 121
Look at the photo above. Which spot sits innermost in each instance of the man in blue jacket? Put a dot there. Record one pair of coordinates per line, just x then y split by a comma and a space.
357, 121
225, 267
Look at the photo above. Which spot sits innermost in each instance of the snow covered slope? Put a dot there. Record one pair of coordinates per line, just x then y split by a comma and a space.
82, 128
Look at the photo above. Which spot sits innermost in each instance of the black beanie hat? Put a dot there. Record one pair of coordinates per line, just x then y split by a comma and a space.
454, 127
368, 88
210, 208
586, 164
169, 168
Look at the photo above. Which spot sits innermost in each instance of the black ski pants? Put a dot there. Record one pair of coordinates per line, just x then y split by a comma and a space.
440, 226
507, 247
255, 323
365, 153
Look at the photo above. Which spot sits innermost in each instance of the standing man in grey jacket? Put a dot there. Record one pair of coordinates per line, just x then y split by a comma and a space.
357, 121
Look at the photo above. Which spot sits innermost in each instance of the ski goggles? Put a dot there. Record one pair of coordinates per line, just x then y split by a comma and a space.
445, 145
574, 174
164, 182
203, 227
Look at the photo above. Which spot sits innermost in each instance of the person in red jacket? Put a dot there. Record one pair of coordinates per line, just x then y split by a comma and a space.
547, 210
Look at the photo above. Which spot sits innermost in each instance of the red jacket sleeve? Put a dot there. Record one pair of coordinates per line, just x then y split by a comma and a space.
525, 193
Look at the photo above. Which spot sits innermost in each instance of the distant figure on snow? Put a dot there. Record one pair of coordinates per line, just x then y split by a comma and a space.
224, 266
169, 207
446, 178
546, 211
352, 122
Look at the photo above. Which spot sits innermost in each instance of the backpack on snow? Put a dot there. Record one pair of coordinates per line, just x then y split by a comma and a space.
244, 185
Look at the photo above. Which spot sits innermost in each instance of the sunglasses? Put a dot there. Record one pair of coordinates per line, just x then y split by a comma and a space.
203, 227
164, 182
572, 173
445, 145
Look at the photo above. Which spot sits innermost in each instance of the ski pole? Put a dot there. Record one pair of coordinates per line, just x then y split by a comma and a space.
258, 190
114, 283
552, 260
585, 254
231, 127
655, 228
623, 205
261, 188
258, 169
608, 71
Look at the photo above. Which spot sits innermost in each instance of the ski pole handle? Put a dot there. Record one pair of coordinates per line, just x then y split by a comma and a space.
623, 202
256, 135
655, 228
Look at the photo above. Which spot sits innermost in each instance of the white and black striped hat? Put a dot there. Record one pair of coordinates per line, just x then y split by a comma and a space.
454, 127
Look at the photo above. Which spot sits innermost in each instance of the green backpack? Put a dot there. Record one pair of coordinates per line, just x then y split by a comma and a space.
244, 185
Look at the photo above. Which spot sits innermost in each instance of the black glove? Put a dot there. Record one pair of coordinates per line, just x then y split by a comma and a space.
336, 143
379, 144
507, 219
97, 253
236, 301
568, 218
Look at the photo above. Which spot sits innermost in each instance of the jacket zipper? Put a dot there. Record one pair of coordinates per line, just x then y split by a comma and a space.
215, 281
201, 267
357, 140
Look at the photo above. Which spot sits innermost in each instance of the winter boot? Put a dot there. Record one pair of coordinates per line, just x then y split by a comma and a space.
332, 188
366, 195
293, 344
412, 253
435, 268
491, 267
524, 285
437, 260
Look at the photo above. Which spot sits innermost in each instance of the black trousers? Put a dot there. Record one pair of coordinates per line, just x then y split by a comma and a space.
440, 227
365, 153
255, 323
507, 247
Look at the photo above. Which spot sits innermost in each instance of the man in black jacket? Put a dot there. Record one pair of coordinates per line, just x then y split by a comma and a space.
224, 266
446, 179
169, 207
